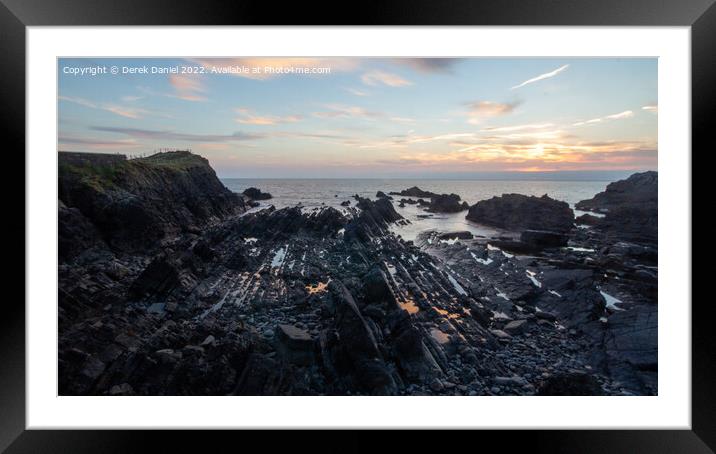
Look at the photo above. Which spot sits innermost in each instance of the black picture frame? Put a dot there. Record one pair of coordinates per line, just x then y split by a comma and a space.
16, 15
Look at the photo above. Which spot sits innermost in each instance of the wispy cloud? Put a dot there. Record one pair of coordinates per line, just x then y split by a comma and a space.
188, 88
123, 111
96, 144
248, 118
480, 110
176, 136
519, 127
653, 108
616, 116
541, 77
357, 92
378, 77
341, 111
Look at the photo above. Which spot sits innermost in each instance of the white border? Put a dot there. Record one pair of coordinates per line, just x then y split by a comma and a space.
670, 409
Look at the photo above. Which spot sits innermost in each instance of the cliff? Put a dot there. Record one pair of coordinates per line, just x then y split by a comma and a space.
132, 205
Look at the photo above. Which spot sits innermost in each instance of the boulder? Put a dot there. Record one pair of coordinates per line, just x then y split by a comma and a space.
515, 327
383, 195
520, 212
256, 194
447, 203
294, 344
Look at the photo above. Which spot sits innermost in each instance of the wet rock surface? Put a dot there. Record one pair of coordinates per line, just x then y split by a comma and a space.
319, 301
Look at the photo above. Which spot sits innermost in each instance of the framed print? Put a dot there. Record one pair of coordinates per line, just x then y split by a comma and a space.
482, 222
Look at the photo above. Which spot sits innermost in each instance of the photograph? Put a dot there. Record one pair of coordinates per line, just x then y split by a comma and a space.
357, 226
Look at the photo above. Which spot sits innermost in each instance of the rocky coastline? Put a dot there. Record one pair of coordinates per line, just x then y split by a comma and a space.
170, 284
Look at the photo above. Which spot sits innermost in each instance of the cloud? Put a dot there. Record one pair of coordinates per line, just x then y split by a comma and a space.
519, 127
356, 92
247, 118
188, 88
541, 77
127, 112
98, 144
175, 136
616, 116
341, 111
402, 119
428, 65
653, 108
480, 110
378, 77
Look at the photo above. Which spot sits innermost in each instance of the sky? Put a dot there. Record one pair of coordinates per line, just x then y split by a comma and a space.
341, 117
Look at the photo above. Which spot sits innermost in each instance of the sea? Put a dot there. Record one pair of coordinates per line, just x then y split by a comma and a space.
316, 193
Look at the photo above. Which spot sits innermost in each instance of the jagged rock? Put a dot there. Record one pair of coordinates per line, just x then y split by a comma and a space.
294, 344
415, 360
382, 195
359, 349
256, 194
376, 288
515, 327
346, 203
519, 212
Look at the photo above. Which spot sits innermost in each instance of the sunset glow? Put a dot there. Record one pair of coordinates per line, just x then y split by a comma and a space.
361, 117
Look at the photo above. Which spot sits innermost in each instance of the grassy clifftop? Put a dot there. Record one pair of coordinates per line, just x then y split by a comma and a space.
103, 173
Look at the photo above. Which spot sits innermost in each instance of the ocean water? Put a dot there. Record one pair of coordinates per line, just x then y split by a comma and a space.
331, 192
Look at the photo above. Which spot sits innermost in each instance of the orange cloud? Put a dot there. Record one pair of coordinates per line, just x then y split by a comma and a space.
247, 118
378, 77
188, 88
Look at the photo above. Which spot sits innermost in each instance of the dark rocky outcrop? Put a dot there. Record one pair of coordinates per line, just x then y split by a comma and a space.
415, 192
447, 203
382, 195
520, 212
639, 188
308, 301
631, 207
256, 194
136, 204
